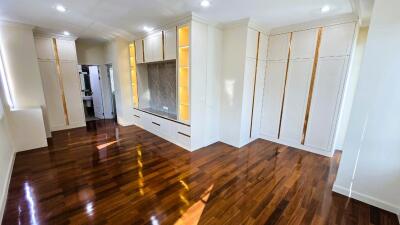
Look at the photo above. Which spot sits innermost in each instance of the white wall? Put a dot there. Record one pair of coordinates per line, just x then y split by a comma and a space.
6, 155
351, 87
370, 164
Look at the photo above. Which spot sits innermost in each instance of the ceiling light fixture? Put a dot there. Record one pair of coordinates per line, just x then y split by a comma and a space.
325, 9
205, 3
148, 29
66, 33
61, 8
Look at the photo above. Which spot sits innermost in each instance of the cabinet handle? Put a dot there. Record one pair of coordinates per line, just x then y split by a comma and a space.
184, 134
156, 123
136, 116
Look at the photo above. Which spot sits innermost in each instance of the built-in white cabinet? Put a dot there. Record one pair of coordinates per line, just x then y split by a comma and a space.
170, 44
153, 47
262, 47
272, 99
252, 43
301, 101
139, 51
278, 46
325, 105
61, 82
258, 96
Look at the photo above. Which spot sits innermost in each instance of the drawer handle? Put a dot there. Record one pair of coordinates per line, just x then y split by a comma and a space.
156, 123
136, 116
184, 134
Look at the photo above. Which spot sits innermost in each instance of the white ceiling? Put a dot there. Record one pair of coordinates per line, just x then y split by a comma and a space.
104, 19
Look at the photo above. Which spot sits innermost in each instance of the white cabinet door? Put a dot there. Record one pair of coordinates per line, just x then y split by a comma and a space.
72, 91
337, 40
170, 44
147, 49
248, 86
52, 94
66, 50
44, 48
325, 102
297, 87
303, 44
139, 51
157, 46
263, 47
278, 47
252, 40
272, 100
258, 96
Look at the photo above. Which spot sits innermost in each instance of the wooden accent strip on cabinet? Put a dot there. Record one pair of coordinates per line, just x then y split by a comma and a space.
255, 83
156, 123
163, 44
284, 86
143, 50
311, 90
60, 80
183, 134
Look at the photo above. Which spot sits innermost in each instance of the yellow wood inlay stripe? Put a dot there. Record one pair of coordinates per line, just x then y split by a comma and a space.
60, 81
255, 83
284, 86
311, 90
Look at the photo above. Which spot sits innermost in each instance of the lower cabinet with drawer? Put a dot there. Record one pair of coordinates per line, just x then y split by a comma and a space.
169, 130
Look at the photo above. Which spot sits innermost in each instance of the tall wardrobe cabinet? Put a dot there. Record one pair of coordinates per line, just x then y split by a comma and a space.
58, 68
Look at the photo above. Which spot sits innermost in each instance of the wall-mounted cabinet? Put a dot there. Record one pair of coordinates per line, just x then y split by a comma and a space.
184, 73
170, 44
139, 51
153, 47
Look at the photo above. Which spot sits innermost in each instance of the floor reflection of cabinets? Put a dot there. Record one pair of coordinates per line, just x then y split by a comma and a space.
304, 82
58, 69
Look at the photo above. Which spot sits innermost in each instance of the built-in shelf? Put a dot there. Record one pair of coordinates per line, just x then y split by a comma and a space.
184, 74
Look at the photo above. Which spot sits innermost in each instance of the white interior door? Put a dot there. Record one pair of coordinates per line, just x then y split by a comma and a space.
96, 92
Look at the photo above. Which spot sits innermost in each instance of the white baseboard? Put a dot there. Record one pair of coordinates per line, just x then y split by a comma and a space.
366, 199
70, 126
298, 146
4, 192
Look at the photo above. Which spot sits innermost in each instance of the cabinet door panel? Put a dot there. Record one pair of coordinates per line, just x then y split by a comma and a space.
157, 46
263, 47
170, 44
272, 100
66, 50
248, 86
325, 101
44, 48
252, 39
72, 93
139, 51
147, 45
303, 44
278, 47
337, 40
52, 93
297, 87
258, 96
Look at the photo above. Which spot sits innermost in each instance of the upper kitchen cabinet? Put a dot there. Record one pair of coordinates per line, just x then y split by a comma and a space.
153, 47
44, 48
139, 51
278, 46
337, 40
170, 44
66, 50
303, 44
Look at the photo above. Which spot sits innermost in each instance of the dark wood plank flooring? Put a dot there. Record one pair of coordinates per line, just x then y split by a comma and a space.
108, 174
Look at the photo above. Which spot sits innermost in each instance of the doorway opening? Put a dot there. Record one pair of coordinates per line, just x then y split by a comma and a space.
95, 92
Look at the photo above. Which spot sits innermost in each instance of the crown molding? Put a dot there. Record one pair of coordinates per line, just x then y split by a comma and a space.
7, 23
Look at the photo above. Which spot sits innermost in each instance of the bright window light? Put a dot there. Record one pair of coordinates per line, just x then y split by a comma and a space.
4, 81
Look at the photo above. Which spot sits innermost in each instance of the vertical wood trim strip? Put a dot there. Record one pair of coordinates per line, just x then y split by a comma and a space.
284, 86
142, 49
255, 83
163, 45
311, 90
60, 81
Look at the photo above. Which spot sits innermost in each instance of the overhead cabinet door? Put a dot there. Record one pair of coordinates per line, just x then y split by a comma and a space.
66, 50
44, 48
337, 40
272, 100
139, 51
170, 44
303, 44
153, 48
278, 47
297, 87
325, 102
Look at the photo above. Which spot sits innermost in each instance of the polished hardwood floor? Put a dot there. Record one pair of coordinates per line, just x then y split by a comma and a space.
108, 174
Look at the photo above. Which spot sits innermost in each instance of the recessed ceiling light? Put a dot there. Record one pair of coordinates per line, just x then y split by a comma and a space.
66, 33
148, 29
325, 9
61, 8
205, 3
